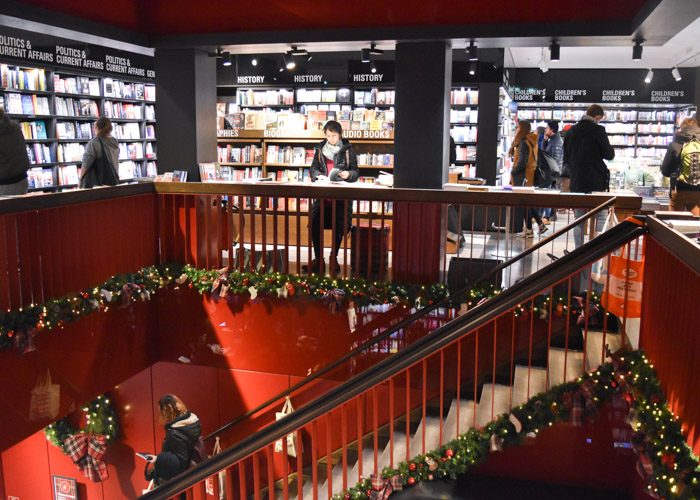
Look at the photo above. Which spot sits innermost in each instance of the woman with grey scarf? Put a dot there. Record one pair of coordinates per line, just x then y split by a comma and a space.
336, 161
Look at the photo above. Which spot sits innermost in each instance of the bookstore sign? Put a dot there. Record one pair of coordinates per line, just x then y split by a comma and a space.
39, 49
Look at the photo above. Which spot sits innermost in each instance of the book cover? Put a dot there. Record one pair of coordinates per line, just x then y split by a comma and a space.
27, 105
40, 128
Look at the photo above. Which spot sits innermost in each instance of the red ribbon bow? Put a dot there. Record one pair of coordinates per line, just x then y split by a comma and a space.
581, 403
87, 452
382, 488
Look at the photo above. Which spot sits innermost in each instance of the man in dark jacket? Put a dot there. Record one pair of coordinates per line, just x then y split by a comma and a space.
585, 147
14, 161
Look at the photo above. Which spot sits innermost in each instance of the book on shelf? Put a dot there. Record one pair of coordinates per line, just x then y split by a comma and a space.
72, 151
68, 175
23, 78
33, 130
209, 172
149, 92
179, 175
39, 153
39, 178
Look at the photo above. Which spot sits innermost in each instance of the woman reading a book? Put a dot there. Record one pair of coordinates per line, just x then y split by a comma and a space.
335, 161
101, 158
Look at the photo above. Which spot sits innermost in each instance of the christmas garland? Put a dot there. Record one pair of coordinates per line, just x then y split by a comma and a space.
18, 328
665, 460
100, 418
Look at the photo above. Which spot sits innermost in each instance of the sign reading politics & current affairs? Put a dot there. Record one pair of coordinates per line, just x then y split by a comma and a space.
31, 48
64, 488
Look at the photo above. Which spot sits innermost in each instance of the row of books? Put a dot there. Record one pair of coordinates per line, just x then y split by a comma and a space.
39, 153
467, 115
67, 106
323, 95
375, 97
123, 110
265, 97
131, 151
72, 151
23, 78
119, 89
464, 96
68, 175
666, 115
150, 132
24, 104
465, 153
230, 174
126, 131
654, 140
620, 128
74, 130
149, 112
244, 154
76, 85
33, 130
464, 134
40, 178
621, 140
379, 160
289, 155
655, 128
130, 170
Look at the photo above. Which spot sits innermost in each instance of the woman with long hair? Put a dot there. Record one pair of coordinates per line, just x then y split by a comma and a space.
524, 152
101, 158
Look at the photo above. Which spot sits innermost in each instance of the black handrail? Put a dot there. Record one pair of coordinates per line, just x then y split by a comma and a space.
405, 322
472, 320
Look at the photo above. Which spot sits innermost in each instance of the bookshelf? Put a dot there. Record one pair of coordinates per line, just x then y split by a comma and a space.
298, 114
56, 110
464, 116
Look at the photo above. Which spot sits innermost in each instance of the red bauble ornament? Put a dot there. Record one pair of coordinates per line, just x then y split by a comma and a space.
668, 459
613, 384
411, 466
628, 398
443, 459
449, 453
411, 480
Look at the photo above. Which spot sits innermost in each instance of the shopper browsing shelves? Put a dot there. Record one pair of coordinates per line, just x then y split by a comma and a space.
334, 160
101, 157
524, 152
14, 161
682, 164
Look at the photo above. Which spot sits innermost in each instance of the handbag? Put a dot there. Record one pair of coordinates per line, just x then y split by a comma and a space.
45, 400
287, 409
599, 270
101, 172
625, 283
553, 165
216, 485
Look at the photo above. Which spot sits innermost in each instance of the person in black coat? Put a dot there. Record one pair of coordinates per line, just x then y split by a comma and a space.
182, 430
586, 145
14, 161
334, 160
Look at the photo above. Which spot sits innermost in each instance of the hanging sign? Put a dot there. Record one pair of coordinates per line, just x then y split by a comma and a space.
360, 73
38, 49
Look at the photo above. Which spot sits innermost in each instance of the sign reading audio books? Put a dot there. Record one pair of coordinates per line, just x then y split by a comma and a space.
38, 49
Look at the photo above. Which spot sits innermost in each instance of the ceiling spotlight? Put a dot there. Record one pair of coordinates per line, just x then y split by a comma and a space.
472, 51
227, 59
650, 75
554, 51
364, 54
543, 66
637, 50
310, 57
472, 68
676, 74
296, 51
254, 61
289, 61
373, 68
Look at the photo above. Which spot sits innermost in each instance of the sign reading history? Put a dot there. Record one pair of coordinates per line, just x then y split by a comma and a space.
37, 48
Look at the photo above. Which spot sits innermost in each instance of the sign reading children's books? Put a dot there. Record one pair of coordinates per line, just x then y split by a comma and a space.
64, 488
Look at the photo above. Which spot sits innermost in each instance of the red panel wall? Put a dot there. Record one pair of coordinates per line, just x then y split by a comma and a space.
670, 332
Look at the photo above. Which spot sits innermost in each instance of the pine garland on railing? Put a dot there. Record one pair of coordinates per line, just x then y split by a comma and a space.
666, 461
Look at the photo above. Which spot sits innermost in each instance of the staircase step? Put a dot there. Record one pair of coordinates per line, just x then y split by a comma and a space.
594, 347
466, 419
432, 436
537, 383
495, 400
558, 372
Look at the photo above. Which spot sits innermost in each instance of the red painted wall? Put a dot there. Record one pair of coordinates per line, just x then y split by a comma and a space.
672, 340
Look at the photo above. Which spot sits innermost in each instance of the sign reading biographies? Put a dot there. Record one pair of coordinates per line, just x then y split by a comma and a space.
40, 49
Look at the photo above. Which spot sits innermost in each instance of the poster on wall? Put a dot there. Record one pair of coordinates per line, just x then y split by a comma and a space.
64, 488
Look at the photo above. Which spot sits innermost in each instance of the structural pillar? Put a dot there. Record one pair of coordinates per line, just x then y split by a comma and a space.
423, 76
185, 110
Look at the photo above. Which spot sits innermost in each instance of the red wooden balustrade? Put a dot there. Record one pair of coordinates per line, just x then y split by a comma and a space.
499, 354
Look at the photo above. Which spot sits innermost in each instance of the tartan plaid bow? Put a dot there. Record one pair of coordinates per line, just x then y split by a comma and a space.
335, 298
87, 452
581, 403
383, 488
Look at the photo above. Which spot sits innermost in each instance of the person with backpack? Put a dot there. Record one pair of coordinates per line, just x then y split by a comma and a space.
682, 164
182, 446
101, 158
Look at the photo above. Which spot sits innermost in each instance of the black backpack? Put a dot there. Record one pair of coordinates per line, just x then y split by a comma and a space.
199, 452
